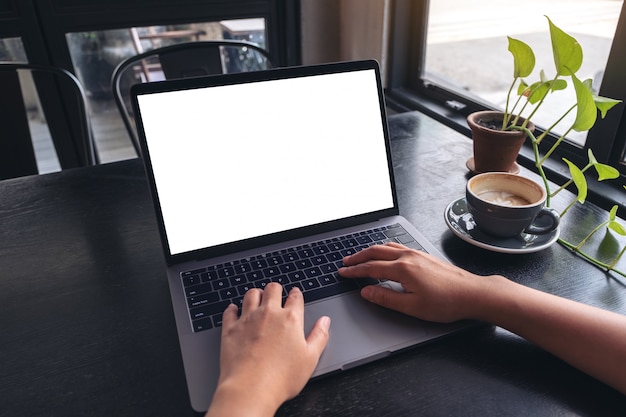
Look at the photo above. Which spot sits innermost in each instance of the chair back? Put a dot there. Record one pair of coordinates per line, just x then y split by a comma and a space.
183, 60
64, 109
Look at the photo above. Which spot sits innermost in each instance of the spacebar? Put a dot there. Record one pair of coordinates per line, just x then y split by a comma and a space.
338, 288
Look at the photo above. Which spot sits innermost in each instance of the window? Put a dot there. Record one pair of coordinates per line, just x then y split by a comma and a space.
451, 58
95, 54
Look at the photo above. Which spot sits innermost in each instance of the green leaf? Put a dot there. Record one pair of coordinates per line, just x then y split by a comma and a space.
523, 58
605, 172
613, 224
559, 85
579, 180
604, 104
592, 157
617, 228
568, 54
613, 213
538, 91
586, 112
523, 89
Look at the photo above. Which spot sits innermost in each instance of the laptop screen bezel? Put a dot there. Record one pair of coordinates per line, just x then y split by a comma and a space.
248, 77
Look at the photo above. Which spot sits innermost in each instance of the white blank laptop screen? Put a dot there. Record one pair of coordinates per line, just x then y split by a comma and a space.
239, 161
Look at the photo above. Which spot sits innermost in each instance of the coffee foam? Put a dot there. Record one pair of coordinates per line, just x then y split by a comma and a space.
503, 198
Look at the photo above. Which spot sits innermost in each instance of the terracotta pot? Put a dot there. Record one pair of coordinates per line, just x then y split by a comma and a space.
495, 150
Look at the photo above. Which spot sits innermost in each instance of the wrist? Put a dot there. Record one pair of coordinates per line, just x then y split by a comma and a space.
236, 399
486, 301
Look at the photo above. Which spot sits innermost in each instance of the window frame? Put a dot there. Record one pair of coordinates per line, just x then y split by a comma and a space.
433, 97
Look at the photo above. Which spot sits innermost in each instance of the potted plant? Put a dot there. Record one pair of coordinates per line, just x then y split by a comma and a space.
568, 56
498, 136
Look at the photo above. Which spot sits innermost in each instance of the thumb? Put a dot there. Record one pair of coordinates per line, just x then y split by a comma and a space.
384, 297
318, 336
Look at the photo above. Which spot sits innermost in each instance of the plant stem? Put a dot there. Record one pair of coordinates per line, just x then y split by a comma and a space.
592, 260
553, 148
507, 115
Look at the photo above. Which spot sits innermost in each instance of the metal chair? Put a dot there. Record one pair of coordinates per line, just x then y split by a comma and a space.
64, 107
190, 59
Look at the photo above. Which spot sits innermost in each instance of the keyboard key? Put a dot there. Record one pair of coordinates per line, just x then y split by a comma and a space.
291, 285
271, 272
198, 289
242, 268
243, 289
335, 246
275, 260
306, 253
363, 240
192, 272
303, 263
253, 276
259, 264
226, 272
290, 257
237, 280
228, 293
191, 280
217, 320
208, 310
310, 284
206, 298
313, 272
220, 284
296, 276
204, 324
327, 280
321, 249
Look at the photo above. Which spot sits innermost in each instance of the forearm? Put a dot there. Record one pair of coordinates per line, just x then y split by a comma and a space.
590, 339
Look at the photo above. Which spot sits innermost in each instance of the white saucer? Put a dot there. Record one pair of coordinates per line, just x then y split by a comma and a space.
462, 224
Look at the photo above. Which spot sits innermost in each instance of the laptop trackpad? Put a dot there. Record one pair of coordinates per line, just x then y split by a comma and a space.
362, 332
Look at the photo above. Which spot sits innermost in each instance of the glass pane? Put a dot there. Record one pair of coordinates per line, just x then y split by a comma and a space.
12, 50
467, 47
96, 54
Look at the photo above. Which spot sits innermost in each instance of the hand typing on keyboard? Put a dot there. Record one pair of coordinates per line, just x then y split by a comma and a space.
265, 358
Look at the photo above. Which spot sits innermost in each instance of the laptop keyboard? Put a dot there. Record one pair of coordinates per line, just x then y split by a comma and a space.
311, 267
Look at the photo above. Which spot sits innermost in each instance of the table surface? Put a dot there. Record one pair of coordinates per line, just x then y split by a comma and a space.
87, 325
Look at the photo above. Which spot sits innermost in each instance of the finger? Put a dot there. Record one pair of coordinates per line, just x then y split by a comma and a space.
388, 252
318, 336
251, 300
295, 300
229, 316
385, 297
369, 269
272, 293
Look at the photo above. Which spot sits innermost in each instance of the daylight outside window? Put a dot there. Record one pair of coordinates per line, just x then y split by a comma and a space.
466, 47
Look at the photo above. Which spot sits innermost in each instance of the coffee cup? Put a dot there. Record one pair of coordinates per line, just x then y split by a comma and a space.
506, 205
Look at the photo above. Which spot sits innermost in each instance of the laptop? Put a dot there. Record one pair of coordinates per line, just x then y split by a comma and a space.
274, 176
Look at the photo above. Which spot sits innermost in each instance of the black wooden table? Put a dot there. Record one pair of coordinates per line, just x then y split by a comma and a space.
86, 323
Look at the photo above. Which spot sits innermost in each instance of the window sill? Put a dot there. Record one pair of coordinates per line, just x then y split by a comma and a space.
603, 194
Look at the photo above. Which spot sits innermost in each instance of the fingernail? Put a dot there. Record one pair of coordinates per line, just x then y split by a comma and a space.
325, 322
